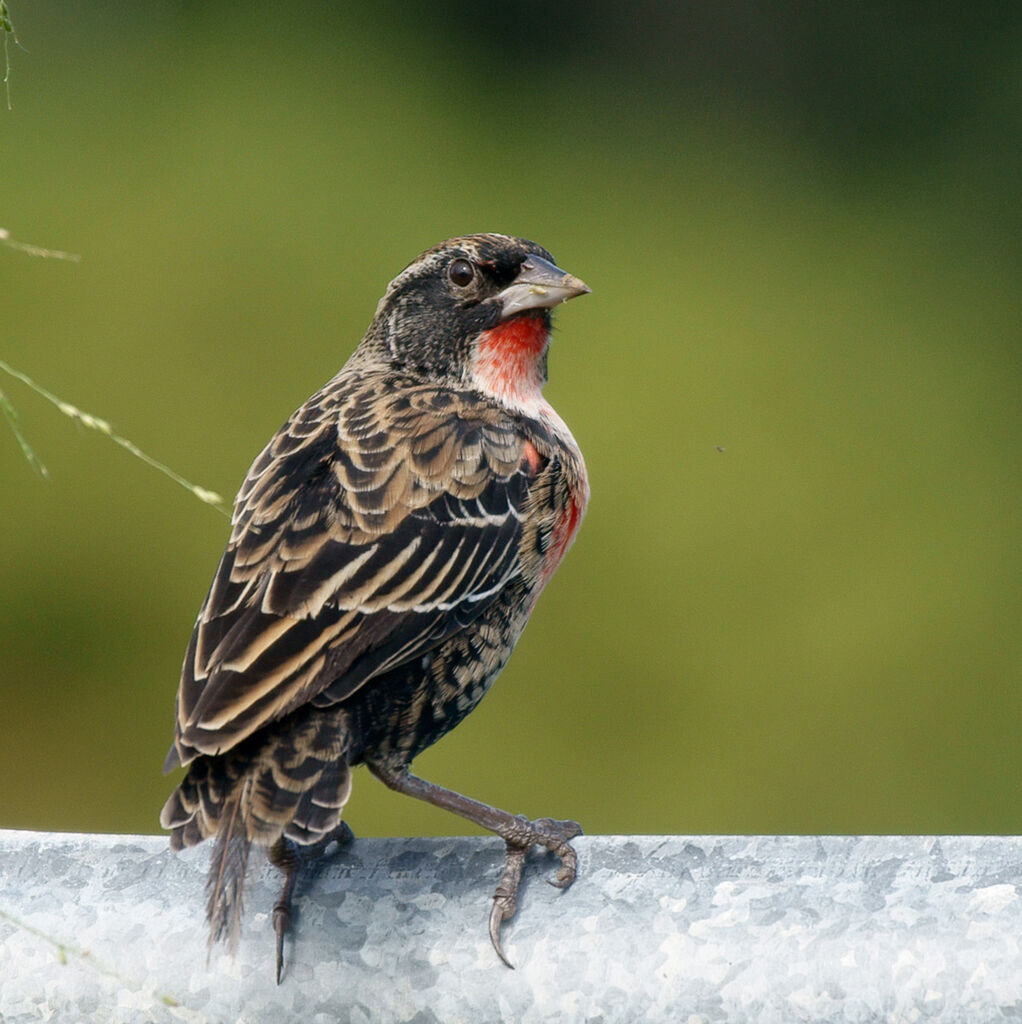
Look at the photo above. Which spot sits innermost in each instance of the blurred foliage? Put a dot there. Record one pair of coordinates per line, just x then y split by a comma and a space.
794, 604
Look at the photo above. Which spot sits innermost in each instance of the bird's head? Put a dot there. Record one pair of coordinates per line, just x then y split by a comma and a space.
473, 310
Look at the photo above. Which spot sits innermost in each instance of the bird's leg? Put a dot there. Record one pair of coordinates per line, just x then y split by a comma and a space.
519, 833
289, 856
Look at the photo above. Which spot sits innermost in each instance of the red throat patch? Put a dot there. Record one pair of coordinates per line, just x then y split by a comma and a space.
509, 357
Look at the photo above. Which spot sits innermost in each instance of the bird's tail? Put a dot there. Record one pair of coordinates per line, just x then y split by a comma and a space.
293, 780
226, 881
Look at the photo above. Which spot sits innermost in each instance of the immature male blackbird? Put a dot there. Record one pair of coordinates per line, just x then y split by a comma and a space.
386, 550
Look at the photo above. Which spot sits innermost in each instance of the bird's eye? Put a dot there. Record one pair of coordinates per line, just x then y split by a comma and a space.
461, 273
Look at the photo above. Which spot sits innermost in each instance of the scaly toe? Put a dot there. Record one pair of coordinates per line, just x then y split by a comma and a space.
553, 831
505, 898
568, 870
281, 924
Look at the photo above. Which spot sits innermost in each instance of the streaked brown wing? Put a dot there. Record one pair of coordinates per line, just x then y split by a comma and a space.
374, 525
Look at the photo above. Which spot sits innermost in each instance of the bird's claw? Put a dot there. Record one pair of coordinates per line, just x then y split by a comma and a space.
498, 914
505, 899
289, 857
281, 925
555, 836
558, 834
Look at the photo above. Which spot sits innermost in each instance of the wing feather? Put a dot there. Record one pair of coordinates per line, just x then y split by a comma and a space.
377, 522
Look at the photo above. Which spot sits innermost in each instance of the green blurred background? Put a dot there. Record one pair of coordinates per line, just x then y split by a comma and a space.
794, 605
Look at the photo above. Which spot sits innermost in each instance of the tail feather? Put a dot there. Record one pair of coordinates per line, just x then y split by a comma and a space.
319, 811
300, 782
226, 881
291, 780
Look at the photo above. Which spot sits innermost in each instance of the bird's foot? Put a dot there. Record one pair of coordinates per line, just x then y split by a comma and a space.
281, 925
520, 838
518, 832
289, 856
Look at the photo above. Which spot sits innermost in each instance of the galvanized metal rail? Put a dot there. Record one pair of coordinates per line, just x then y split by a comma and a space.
657, 928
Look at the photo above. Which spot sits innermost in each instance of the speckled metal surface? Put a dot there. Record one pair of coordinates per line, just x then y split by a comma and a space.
109, 928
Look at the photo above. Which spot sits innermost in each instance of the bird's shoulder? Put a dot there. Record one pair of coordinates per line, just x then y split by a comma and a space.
367, 450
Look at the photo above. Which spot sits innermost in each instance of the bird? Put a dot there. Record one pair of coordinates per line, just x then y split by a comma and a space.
387, 547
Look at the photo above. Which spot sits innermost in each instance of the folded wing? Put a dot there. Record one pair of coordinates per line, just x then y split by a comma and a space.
376, 523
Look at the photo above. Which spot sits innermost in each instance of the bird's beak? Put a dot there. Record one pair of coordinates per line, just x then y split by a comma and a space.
539, 285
